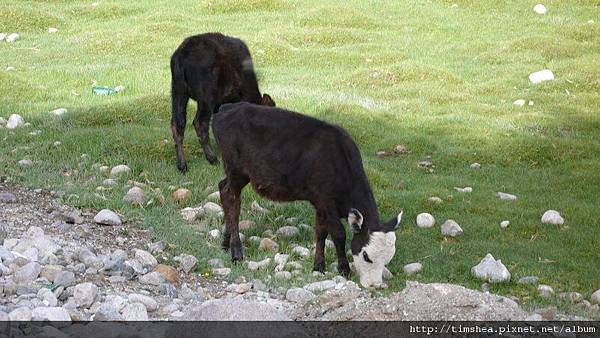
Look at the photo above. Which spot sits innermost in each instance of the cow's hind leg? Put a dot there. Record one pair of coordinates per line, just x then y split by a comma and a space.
230, 189
201, 124
179, 101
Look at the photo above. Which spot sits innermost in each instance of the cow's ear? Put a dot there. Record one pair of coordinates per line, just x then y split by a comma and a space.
268, 101
355, 219
394, 223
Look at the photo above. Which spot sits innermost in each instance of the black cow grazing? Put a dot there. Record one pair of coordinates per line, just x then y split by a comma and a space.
287, 156
212, 69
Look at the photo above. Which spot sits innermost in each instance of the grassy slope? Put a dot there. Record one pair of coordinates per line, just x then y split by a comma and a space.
438, 79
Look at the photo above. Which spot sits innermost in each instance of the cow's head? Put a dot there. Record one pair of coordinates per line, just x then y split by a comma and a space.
267, 100
377, 249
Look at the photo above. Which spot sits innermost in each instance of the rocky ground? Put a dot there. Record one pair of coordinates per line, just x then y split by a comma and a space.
59, 263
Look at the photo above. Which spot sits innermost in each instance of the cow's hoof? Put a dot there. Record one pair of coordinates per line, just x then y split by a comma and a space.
212, 159
320, 267
236, 254
182, 166
344, 269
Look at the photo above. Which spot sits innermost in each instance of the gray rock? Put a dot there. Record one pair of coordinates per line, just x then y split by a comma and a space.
287, 231
27, 273
152, 278
135, 312
320, 286
53, 314
120, 170
451, 228
243, 288
15, 121
552, 217
107, 217
213, 209
534, 317
22, 314
545, 291
25, 163
7, 197
283, 275
188, 262
506, 197
425, 220
85, 294
148, 261
595, 298
64, 278
109, 182
475, 165
214, 234
106, 312
221, 271
215, 263
491, 270
412, 268
47, 297
541, 76
135, 196
301, 251
386, 274
299, 295
149, 302
259, 265
232, 309
528, 280
157, 247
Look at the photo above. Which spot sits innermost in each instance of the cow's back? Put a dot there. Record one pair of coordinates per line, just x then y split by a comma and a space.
303, 157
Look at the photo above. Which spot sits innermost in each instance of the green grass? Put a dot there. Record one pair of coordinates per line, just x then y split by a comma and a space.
438, 79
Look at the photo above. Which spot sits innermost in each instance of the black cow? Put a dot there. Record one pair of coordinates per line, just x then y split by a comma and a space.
287, 156
212, 69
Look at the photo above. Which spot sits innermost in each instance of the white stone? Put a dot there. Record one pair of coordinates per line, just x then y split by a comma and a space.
540, 9
504, 224
119, 88
149, 302
215, 196
190, 214
52, 30
451, 228
187, 262
287, 231
27, 273
22, 314
595, 299
281, 259
25, 163
465, 189
58, 111
148, 261
519, 102
135, 312
506, 197
107, 217
257, 208
491, 270
52, 314
214, 233
475, 165
12, 37
135, 196
221, 271
320, 286
2, 36
299, 295
152, 278
259, 265
412, 268
283, 275
545, 291
552, 217
213, 209
435, 200
425, 220
541, 76
84, 294
301, 251
15, 121
120, 169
